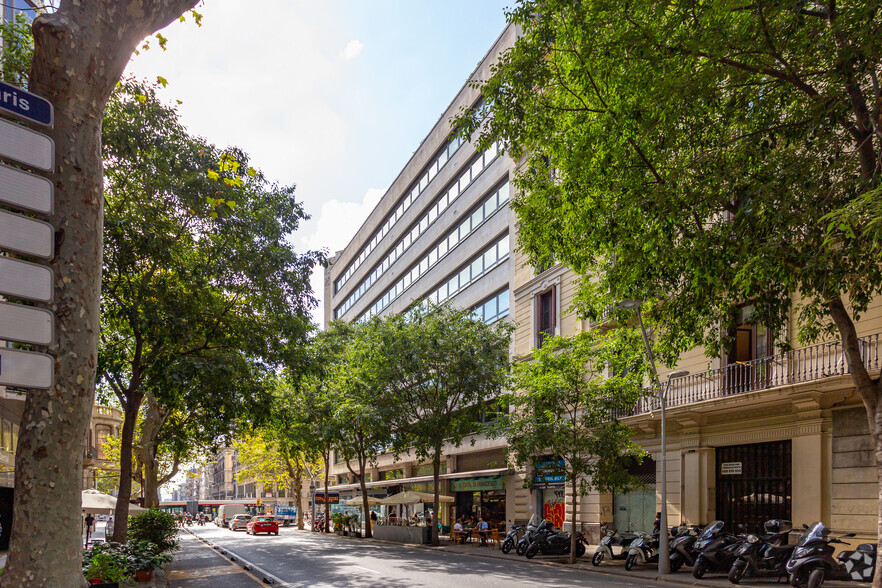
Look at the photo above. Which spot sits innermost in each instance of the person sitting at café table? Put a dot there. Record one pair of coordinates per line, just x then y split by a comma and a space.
458, 528
483, 530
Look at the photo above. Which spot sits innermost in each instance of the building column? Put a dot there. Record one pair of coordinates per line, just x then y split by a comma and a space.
811, 463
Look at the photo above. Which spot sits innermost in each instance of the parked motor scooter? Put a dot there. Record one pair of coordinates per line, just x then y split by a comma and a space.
683, 548
547, 541
812, 561
764, 556
645, 548
511, 539
716, 552
525, 541
613, 540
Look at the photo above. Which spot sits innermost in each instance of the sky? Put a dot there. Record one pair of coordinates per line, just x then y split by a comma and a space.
333, 96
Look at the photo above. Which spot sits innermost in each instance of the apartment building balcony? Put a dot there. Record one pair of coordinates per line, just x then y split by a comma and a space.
799, 366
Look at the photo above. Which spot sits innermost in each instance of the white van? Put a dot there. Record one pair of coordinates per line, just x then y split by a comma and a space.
226, 513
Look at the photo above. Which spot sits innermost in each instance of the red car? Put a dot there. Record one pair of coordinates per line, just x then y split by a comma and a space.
262, 525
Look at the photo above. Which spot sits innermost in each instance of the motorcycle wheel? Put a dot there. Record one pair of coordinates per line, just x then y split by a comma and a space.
532, 550
630, 561
736, 572
816, 578
507, 545
676, 563
699, 569
522, 548
597, 559
794, 580
580, 549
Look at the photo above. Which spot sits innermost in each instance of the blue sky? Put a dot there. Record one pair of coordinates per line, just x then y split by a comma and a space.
333, 95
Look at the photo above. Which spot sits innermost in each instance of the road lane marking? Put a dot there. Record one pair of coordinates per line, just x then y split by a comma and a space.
368, 569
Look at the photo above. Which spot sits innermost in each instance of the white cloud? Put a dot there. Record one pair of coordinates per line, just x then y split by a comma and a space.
352, 49
332, 228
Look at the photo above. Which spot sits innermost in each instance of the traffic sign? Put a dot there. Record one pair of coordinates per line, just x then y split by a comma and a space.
25, 190
25, 235
25, 105
26, 369
25, 146
26, 324
22, 279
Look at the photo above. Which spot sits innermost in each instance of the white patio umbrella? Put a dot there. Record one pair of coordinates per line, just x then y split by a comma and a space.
99, 503
411, 497
359, 501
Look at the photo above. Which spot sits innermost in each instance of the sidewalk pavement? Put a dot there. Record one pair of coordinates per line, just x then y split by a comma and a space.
196, 566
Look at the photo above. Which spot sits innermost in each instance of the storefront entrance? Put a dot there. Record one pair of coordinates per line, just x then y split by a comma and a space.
635, 510
754, 484
480, 498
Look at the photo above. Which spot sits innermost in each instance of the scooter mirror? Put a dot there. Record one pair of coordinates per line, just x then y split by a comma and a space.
849, 535
804, 526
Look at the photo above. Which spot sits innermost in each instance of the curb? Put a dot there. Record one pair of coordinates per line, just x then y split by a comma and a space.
246, 565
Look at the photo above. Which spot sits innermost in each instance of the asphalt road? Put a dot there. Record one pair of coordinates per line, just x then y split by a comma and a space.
300, 558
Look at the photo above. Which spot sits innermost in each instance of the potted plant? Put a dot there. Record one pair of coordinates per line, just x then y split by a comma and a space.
142, 557
337, 518
104, 568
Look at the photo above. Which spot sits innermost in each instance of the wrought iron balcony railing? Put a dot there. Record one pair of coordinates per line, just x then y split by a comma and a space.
808, 364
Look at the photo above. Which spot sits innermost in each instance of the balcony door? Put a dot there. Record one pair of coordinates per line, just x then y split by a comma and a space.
747, 364
546, 315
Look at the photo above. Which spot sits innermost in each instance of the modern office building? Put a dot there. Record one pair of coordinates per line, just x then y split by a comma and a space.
442, 232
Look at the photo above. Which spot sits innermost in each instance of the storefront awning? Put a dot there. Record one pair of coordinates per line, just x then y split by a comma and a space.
419, 479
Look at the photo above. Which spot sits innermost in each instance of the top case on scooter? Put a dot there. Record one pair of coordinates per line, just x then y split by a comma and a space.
861, 563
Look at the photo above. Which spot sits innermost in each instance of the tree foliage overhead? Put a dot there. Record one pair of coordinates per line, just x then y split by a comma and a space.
202, 293
688, 151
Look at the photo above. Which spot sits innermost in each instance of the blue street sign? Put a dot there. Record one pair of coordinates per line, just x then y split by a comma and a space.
25, 105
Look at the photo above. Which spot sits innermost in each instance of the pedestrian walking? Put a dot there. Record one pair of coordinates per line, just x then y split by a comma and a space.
88, 522
108, 529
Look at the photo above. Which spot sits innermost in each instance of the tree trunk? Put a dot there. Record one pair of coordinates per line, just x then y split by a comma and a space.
870, 391
80, 51
147, 450
327, 459
436, 475
368, 532
298, 492
127, 435
573, 518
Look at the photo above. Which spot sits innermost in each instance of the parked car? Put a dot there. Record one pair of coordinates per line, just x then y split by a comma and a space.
239, 522
262, 524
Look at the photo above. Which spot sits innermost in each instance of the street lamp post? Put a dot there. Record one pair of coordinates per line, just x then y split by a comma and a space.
664, 551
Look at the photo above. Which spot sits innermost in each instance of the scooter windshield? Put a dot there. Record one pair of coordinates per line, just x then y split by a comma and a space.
817, 532
712, 529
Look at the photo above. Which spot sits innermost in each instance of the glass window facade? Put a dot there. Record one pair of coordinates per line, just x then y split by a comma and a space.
498, 197
419, 227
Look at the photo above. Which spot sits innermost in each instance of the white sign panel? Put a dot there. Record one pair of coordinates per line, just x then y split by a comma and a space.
732, 468
25, 146
25, 190
25, 369
26, 280
25, 235
26, 324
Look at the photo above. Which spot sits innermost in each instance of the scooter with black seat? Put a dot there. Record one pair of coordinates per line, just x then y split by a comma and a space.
547, 541
683, 548
765, 556
812, 561
717, 552
612, 541
645, 548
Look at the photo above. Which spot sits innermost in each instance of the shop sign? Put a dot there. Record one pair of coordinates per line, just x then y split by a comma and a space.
333, 497
541, 480
477, 484
732, 468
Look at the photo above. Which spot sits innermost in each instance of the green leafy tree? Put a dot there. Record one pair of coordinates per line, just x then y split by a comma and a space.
563, 402
202, 294
261, 460
695, 155
364, 410
447, 371
80, 50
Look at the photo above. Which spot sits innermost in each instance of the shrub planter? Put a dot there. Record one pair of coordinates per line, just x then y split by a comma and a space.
144, 575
